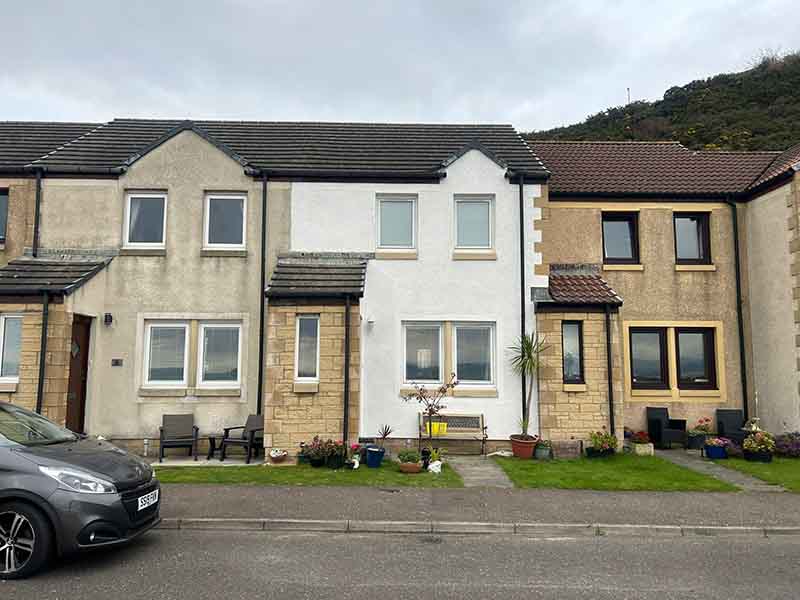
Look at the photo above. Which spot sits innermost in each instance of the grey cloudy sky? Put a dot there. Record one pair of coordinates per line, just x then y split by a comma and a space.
536, 64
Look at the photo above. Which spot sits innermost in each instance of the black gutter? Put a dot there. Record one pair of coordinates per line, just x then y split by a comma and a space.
261, 298
42, 352
739, 317
37, 209
610, 372
346, 418
522, 284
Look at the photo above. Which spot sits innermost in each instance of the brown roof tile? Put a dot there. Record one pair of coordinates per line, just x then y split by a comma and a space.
783, 163
581, 287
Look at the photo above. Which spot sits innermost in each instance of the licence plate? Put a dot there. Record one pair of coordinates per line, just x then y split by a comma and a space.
148, 500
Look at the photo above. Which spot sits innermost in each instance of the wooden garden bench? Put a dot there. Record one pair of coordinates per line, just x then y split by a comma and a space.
460, 426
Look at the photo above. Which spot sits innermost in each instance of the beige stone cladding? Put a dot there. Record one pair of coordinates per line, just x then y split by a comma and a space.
19, 227
573, 411
59, 331
295, 412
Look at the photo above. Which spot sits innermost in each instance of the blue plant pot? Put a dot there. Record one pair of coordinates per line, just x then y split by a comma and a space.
716, 452
375, 457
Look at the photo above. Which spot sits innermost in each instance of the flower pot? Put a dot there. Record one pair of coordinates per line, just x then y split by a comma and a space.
542, 453
410, 467
599, 453
760, 456
643, 449
696, 441
375, 456
522, 447
716, 452
316, 461
278, 458
335, 461
436, 428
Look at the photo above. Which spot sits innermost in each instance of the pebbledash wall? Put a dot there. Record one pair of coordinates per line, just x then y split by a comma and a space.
431, 284
19, 227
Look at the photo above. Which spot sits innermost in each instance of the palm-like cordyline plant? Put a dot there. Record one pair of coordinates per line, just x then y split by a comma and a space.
525, 361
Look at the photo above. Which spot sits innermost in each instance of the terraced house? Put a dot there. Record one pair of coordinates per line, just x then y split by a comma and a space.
314, 272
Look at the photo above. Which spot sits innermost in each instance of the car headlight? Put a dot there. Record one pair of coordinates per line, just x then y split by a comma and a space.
79, 481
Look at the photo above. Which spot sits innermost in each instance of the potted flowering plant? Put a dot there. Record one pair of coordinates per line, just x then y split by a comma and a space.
277, 455
525, 363
336, 454
717, 448
543, 450
698, 434
641, 444
409, 461
316, 452
759, 447
603, 444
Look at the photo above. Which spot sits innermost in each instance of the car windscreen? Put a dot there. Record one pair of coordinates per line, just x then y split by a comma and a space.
29, 429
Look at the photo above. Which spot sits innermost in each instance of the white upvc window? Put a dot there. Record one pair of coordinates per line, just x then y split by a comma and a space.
397, 222
474, 353
219, 355
306, 348
474, 221
166, 360
10, 347
423, 352
225, 222
145, 220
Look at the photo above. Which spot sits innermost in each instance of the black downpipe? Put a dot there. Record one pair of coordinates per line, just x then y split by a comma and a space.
610, 372
739, 317
42, 352
522, 285
346, 423
261, 292
37, 209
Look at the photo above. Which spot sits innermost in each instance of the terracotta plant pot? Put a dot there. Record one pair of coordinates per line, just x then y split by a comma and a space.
410, 467
522, 447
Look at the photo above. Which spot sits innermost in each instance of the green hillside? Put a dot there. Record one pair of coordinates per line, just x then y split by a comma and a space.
757, 109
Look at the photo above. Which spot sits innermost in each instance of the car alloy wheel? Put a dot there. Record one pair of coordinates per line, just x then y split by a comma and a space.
17, 542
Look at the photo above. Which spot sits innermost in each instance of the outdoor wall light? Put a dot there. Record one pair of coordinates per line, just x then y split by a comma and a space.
108, 319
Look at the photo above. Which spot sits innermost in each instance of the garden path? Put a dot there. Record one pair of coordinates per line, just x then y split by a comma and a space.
695, 462
479, 471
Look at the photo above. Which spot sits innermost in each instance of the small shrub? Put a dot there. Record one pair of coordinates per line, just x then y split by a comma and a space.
702, 427
603, 440
788, 444
408, 456
719, 441
640, 437
760, 441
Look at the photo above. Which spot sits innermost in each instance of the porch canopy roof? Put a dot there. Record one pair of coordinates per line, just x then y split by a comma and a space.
56, 276
319, 275
575, 286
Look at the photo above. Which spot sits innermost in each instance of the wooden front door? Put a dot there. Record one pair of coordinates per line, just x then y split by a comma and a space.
78, 373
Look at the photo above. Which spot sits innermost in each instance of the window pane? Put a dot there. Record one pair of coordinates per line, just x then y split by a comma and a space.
397, 223
221, 354
167, 348
474, 353
571, 348
225, 219
687, 238
422, 353
146, 221
3, 214
307, 347
617, 239
12, 342
472, 224
646, 358
692, 364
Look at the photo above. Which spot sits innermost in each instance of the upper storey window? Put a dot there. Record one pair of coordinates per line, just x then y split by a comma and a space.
692, 239
397, 222
145, 220
473, 222
620, 238
225, 222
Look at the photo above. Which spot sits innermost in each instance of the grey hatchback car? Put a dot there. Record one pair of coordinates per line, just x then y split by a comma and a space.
62, 493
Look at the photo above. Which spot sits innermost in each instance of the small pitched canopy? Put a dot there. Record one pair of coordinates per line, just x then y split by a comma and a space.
57, 277
576, 285
318, 275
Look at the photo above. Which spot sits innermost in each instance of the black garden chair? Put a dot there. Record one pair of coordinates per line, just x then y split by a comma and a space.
248, 439
665, 431
177, 431
729, 424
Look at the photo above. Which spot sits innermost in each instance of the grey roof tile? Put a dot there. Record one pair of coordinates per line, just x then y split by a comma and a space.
318, 275
33, 276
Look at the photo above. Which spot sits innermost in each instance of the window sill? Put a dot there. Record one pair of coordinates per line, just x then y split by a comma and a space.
488, 391
695, 267
205, 392
162, 392
143, 252
398, 254
651, 393
8, 387
574, 387
215, 252
305, 387
700, 393
483, 254
636, 267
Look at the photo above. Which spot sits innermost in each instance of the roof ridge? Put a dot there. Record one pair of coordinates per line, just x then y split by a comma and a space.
610, 142
300, 122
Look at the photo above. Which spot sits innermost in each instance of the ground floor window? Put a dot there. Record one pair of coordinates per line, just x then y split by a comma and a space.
696, 359
474, 353
11, 344
649, 358
423, 352
307, 348
572, 351
220, 354
166, 356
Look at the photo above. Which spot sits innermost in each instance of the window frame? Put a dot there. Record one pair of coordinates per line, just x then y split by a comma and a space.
410, 198
430, 325
473, 198
492, 361
665, 383
148, 328
632, 218
126, 243
207, 244
709, 355
581, 377
201, 329
298, 318
704, 224
4, 233
3, 319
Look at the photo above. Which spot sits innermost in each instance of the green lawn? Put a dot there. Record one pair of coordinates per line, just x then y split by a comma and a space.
388, 475
621, 472
783, 471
